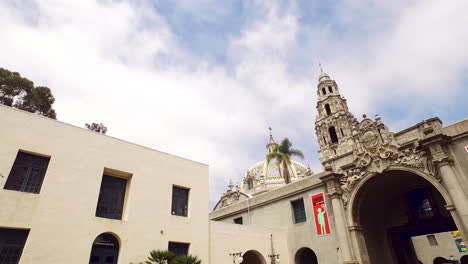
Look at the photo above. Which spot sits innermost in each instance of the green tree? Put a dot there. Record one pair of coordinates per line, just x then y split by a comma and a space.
97, 127
282, 154
186, 260
19, 92
160, 257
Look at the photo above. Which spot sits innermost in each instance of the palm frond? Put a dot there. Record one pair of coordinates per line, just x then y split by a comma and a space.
274, 156
297, 153
186, 260
284, 146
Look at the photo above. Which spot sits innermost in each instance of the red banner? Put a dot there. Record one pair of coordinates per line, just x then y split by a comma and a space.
320, 214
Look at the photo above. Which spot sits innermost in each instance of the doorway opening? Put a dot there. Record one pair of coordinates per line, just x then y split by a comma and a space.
105, 249
253, 257
305, 256
395, 206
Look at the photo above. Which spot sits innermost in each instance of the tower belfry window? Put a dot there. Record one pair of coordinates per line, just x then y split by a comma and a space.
328, 109
333, 135
330, 89
324, 91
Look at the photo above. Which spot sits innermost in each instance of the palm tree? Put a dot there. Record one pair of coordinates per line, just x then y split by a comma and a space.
282, 153
186, 260
160, 257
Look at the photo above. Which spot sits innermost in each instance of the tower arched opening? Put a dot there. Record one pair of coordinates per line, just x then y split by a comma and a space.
324, 91
328, 109
330, 89
333, 135
394, 206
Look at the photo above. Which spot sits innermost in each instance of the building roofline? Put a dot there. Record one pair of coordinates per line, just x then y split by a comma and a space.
417, 125
96, 133
271, 196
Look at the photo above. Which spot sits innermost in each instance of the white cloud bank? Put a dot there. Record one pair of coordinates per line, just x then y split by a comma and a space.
119, 62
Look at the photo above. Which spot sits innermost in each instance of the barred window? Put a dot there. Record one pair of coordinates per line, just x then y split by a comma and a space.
111, 197
238, 220
27, 173
11, 245
179, 201
179, 249
299, 211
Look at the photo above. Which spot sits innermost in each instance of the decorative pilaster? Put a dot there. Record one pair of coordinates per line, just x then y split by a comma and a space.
359, 244
436, 144
334, 191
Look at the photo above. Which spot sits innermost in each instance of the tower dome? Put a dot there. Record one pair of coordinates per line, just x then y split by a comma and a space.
323, 77
267, 175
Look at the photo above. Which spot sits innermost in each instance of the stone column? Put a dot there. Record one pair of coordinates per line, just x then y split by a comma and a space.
359, 244
437, 144
459, 199
334, 191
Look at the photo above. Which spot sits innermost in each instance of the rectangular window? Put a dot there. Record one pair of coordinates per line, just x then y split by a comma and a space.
432, 240
179, 249
111, 197
299, 211
27, 173
11, 245
238, 220
179, 201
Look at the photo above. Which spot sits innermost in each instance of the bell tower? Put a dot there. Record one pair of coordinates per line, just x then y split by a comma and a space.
334, 122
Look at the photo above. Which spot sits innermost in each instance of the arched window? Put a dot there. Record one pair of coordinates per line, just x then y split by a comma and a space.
333, 135
324, 91
330, 89
328, 109
105, 249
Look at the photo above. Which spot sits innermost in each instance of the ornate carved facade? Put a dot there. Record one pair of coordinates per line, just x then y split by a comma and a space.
356, 149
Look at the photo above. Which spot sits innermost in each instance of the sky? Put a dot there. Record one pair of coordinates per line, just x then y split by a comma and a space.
204, 79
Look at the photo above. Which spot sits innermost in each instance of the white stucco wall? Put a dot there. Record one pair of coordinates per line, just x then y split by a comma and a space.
62, 218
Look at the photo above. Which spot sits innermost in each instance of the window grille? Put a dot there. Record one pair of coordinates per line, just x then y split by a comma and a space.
111, 197
299, 211
238, 220
27, 173
179, 201
420, 204
11, 245
179, 249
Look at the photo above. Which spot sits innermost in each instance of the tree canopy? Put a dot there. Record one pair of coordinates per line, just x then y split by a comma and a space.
19, 92
97, 127
282, 153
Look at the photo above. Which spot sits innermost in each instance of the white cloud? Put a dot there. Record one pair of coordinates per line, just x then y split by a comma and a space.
120, 63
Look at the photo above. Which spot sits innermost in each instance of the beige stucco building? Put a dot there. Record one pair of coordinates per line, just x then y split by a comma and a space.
386, 195
58, 215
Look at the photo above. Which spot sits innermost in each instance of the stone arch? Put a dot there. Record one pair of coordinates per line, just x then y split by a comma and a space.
105, 249
253, 257
305, 255
354, 196
384, 220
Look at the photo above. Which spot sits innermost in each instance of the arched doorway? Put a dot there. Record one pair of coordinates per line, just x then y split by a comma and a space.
394, 206
105, 249
305, 256
253, 257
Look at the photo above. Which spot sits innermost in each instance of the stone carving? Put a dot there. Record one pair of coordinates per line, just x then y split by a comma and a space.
230, 197
375, 149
